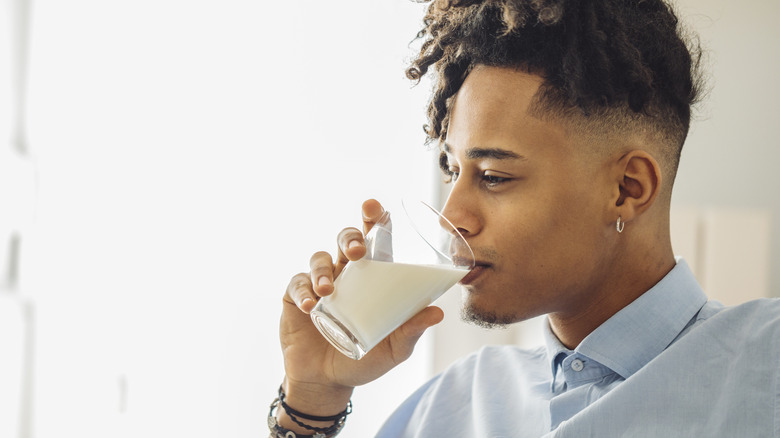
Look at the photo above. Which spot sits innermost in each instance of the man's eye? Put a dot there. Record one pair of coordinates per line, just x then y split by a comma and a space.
493, 180
450, 174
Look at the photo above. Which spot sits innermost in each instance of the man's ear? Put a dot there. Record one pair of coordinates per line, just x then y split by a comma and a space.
639, 182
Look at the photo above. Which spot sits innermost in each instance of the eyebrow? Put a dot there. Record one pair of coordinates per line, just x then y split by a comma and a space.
495, 153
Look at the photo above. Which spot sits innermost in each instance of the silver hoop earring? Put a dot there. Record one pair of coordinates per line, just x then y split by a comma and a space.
620, 225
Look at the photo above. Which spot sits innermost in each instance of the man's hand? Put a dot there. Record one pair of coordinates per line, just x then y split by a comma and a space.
319, 379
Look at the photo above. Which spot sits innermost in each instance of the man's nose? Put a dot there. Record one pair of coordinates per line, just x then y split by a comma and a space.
460, 210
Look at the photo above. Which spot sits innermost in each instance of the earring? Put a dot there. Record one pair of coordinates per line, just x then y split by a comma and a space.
620, 225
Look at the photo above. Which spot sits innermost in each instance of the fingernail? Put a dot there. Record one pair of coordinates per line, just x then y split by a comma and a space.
353, 244
323, 281
305, 300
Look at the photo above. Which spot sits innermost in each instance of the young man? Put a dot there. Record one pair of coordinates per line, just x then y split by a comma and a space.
560, 125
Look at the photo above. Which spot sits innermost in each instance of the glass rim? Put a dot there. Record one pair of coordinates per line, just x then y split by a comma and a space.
468, 260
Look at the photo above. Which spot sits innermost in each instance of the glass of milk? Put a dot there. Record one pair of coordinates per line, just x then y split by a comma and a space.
412, 257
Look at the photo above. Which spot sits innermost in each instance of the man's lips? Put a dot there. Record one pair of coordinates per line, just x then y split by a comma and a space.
478, 270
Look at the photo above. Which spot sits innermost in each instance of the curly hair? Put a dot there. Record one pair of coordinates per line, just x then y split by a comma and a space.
618, 64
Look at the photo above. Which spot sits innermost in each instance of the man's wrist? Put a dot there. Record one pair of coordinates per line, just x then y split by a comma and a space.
315, 401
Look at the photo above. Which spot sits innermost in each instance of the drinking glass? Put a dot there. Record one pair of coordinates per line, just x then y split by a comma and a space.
411, 259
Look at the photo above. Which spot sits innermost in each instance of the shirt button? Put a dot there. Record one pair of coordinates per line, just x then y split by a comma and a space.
577, 365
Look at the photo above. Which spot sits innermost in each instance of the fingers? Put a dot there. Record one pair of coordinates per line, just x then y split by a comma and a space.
300, 292
350, 247
350, 240
372, 211
305, 289
404, 339
322, 275
416, 326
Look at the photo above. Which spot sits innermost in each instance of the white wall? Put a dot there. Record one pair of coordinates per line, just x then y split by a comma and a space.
730, 158
192, 155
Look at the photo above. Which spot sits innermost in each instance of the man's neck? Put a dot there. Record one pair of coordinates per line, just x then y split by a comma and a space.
600, 304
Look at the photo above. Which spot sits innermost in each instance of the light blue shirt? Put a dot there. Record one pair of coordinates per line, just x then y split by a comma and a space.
670, 364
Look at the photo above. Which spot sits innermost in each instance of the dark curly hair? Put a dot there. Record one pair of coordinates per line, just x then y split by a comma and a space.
615, 65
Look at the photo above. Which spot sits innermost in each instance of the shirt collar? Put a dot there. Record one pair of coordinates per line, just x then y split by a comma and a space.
642, 330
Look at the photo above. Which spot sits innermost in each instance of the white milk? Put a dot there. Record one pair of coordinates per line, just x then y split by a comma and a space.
372, 298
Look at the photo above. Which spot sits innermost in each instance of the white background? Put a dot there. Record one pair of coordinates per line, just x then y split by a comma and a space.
192, 155
732, 153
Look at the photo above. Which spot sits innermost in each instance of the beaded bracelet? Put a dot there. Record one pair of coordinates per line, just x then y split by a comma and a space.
278, 431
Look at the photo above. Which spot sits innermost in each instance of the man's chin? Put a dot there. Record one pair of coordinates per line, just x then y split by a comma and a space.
487, 319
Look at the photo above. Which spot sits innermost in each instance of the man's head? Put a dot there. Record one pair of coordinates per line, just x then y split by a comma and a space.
556, 118
610, 67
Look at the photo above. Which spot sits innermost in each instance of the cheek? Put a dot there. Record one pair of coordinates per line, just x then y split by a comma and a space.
578, 237
529, 240
559, 231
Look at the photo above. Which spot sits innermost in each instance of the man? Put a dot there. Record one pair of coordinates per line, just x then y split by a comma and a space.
560, 125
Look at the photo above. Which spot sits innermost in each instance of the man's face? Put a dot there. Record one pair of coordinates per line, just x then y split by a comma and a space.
533, 206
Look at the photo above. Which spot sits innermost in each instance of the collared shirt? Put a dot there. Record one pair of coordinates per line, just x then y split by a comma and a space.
668, 364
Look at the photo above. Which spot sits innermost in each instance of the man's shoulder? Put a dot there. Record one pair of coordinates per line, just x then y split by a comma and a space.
721, 378
761, 305
754, 317
751, 328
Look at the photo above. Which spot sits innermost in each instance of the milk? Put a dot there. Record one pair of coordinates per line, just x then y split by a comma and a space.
372, 298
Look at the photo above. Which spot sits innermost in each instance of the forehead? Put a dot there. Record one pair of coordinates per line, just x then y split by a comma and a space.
498, 85
491, 110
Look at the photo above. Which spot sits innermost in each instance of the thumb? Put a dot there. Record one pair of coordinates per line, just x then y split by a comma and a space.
406, 336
